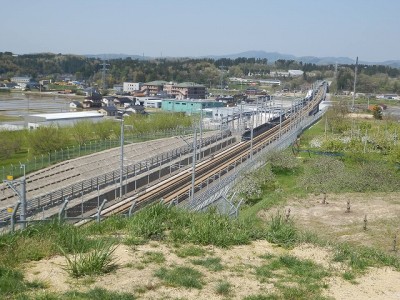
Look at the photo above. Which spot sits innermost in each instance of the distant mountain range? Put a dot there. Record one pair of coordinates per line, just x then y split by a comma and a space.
270, 56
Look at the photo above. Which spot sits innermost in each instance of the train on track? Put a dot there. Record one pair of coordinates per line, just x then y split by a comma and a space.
246, 136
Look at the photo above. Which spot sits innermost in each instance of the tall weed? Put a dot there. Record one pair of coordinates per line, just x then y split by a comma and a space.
281, 231
97, 261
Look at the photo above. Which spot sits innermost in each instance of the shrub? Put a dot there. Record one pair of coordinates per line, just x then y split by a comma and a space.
283, 162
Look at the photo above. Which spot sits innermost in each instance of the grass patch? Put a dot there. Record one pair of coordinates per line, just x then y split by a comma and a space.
96, 293
281, 231
149, 223
4, 118
223, 288
349, 276
41, 240
360, 258
12, 283
211, 263
294, 278
181, 276
262, 297
113, 225
97, 261
153, 257
190, 250
208, 228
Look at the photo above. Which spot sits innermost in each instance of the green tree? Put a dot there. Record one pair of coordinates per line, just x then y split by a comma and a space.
47, 138
10, 143
82, 131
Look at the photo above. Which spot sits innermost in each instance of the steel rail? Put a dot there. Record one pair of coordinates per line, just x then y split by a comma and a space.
179, 184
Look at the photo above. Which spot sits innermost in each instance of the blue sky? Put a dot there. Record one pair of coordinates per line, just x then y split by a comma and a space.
369, 29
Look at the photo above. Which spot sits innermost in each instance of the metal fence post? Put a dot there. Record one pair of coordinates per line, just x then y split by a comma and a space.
61, 213
131, 208
100, 209
14, 216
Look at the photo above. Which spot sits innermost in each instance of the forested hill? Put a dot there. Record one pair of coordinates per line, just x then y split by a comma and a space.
205, 71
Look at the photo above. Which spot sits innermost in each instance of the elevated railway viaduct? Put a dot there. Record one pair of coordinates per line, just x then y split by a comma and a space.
167, 176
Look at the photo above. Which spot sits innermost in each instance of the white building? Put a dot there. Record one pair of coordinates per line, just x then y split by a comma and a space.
153, 102
295, 73
128, 87
62, 119
271, 81
22, 81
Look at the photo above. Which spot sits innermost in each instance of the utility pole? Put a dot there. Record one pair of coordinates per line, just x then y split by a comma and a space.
280, 121
201, 131
193, 164
256, 112
354, 88
222, 69
103, 75
122, 159
251, 137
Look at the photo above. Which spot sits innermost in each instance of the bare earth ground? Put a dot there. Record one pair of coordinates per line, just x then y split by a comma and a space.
136, 276
381, 210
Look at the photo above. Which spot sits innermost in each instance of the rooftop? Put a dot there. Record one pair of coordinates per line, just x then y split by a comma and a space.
69, 115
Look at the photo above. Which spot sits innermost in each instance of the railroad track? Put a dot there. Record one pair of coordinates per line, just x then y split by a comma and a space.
178, 186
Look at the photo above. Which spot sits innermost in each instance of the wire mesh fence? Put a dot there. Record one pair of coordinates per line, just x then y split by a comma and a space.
85, 196
44, 160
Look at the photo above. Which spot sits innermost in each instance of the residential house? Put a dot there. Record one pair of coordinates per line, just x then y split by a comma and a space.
75, 104
93, 97
108, 100
109, 111
123, 101
136, 109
